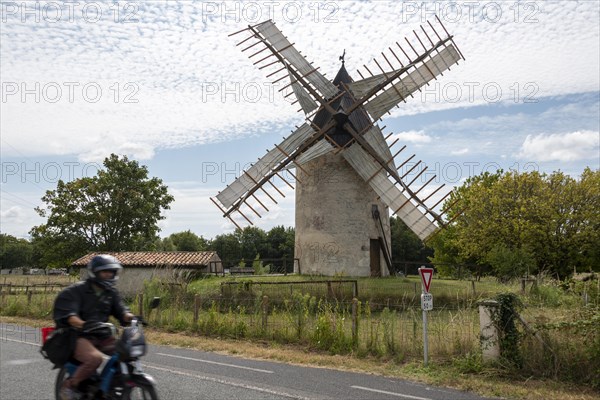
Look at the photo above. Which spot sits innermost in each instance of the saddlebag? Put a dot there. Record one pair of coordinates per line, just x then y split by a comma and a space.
60, 346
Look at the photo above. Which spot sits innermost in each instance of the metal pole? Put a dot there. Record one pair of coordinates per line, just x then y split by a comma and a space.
425, 340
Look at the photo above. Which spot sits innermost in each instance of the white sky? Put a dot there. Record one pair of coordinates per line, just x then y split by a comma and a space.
163, 83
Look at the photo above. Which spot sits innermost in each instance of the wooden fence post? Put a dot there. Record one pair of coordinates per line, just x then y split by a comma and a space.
141, 305
265, 303
355, 321
196, 309
29, 298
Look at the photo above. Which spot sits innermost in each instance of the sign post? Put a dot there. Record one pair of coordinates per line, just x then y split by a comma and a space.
426, 305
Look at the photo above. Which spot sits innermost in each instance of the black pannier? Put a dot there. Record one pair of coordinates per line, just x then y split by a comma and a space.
60, 346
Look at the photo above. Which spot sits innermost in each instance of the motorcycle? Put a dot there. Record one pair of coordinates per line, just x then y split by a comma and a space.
120, 377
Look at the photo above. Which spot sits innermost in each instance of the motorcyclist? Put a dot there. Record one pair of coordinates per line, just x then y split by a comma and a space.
85, 306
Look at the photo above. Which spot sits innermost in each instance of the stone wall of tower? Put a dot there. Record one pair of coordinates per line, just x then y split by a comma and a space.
334, 223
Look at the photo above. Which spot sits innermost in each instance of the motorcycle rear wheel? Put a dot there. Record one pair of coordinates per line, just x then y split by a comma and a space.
140, 392
62, 376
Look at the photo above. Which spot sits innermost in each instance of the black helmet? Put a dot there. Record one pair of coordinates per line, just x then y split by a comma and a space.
104, 262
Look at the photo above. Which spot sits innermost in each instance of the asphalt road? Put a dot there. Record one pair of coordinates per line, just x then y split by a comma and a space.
189, 374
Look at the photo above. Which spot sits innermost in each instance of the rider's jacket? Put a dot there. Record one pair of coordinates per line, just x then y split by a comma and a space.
83, 300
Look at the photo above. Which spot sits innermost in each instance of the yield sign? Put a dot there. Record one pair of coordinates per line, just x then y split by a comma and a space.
426, 274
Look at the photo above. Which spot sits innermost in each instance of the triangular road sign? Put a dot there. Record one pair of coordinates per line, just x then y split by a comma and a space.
426, 274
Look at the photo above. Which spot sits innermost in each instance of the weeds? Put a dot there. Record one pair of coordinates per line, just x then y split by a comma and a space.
563, 344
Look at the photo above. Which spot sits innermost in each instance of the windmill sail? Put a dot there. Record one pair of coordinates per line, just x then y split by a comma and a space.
306, 102
321, 148
263, 166
413, 81
391, 195
375, 137
292, 56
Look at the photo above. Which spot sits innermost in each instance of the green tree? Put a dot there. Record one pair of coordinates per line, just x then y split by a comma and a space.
14, 252
116, 210
588, 235
54, 250
406, 245
253, 241
228, 248
188, 241
510, 263
164, 244
446, 257
281, 242
530, 221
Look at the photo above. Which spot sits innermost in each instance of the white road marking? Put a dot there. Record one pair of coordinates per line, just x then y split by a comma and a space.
23, 362
225, 382
215, 362
19, 341
406, 396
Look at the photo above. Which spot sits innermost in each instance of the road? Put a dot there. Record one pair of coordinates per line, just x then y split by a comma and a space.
189, 374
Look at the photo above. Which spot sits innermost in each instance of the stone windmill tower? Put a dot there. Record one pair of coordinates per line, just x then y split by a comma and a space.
347, 177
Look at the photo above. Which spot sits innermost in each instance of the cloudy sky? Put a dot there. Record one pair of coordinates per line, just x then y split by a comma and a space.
162, 82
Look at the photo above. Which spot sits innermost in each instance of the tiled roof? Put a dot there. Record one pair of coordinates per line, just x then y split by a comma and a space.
156, 258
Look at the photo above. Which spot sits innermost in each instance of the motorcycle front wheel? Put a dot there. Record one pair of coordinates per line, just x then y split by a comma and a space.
140, 392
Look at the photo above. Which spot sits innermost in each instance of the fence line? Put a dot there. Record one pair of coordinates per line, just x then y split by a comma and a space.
12, 289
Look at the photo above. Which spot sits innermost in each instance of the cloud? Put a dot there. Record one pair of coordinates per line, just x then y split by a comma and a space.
14, 212
416, 137
137, 151
503, 131
566, 147
171, 77
460, 152
192, 209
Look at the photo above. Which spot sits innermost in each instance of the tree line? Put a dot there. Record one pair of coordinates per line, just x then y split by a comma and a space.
507, 223
242, 245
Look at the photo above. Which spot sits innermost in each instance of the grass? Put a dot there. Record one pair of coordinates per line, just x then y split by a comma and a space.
487, 382
562, 358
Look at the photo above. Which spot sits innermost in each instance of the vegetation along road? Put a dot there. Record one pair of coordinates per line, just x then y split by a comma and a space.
190, 374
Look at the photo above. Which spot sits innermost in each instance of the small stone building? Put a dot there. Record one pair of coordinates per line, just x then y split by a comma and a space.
139, 266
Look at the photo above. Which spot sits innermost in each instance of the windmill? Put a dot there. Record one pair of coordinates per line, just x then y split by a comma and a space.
347, 177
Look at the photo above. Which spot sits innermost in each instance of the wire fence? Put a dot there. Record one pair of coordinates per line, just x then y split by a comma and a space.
338, 326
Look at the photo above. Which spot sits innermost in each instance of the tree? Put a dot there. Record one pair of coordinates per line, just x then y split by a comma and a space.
281, 243
524, 222
228, 248
250, 242
253, 241
510, 263
52, 250
116, 210
406, 245
188, 241
14, 252
164, 244
588, 236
